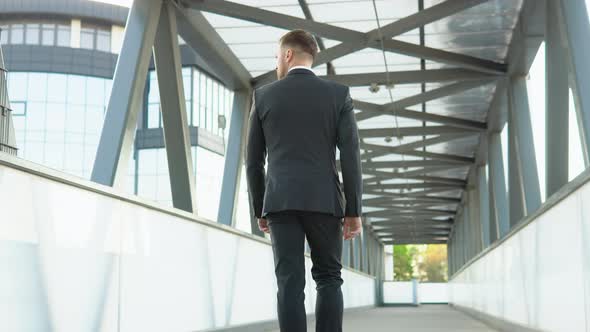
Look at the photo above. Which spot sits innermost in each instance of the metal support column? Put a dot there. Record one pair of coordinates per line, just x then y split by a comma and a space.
358, 252
364, 246
515, 191
557, 103
369, 252
474, 213
346, 253
234, 159
484, 207
352, 254
577, 30
116, 139
525, 198
497, 184
173, 106
469, 241
380, 274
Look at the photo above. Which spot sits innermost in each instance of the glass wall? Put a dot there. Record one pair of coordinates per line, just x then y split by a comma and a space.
95, 38
100, 37
48, 33
58, 120
154, 182
208, 102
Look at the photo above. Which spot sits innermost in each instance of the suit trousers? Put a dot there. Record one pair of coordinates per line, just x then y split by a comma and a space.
324, 231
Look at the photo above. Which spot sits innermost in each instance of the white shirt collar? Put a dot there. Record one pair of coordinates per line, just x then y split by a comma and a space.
308, 68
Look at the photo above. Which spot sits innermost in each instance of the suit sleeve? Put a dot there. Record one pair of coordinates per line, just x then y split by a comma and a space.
255, 159
350, 159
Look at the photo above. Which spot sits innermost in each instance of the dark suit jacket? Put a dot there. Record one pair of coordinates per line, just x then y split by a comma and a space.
298, 121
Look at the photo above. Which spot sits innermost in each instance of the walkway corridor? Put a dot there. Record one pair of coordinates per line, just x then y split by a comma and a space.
425, 318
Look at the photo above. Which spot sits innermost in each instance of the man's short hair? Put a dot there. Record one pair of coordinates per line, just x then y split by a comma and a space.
300, 40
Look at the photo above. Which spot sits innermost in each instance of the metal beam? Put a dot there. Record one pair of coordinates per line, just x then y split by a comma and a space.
234, 159
438, 55
412, 185
417, 240
556, 103
401, 26
385, 230
346, 253
409, 77
484, 205
205, 41
173, 107
400, 220
520, 115
497, 185
391, 213
433, 169
381, 176
307, 12
437, 93
424, 17
376, 150
422, 116
120, 121
409, 163
354, 38
577, 30
410, 234
412, 131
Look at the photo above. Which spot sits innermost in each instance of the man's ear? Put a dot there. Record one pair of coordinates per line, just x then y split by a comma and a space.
289, 54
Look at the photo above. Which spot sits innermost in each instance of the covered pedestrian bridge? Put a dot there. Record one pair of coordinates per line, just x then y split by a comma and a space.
474, 118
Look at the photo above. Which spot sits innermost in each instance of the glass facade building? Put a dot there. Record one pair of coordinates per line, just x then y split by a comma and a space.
58, 117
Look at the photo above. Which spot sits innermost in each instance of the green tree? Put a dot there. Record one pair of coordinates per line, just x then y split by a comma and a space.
403, 258
432, 263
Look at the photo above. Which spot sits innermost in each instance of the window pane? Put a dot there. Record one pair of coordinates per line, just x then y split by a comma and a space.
196, 97
63, 35
48, 34
19, 107
17, 33
153, 116
202, 100
17, 85
214, 111
32, 33
103, 40
209, 113
37, 87
87, 38
3, 34
57, 88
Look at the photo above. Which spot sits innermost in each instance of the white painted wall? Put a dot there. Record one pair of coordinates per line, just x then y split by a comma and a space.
73, 259
540, 276
401, 292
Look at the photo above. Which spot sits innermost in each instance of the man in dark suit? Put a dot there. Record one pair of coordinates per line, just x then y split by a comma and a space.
298, 121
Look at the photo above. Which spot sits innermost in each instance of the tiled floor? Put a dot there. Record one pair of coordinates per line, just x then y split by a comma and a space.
425, 318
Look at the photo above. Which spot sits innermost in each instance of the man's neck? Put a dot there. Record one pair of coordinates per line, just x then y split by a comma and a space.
301, 66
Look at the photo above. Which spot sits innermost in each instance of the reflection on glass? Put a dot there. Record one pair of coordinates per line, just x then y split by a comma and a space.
63, 35
59, 119
32, 34
17, 33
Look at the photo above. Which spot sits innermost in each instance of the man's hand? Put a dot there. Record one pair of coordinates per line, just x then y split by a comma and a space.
263, 225
352, 227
